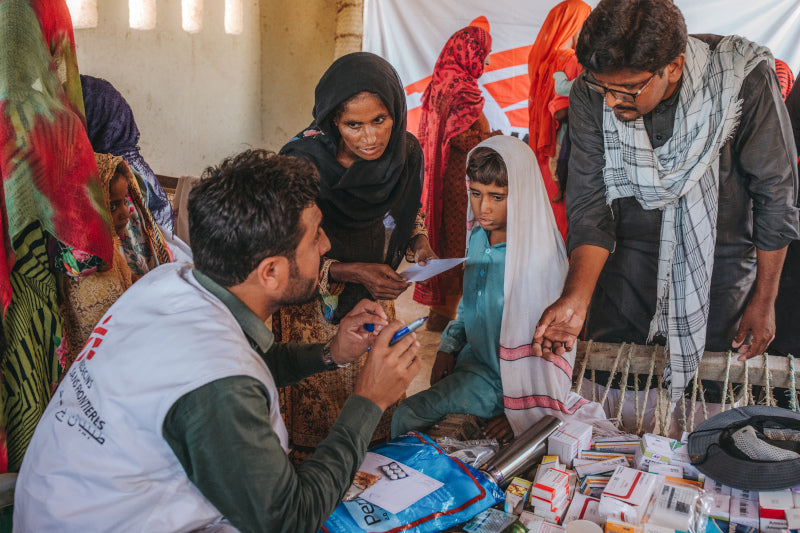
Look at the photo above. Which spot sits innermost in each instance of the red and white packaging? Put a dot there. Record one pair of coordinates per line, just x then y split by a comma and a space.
600, 467
627, 494
551, 485
549, 506
774, 504
537, 524
568, 440
584, 508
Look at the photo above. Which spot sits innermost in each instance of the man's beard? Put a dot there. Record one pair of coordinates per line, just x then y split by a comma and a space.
301, 289
617, 110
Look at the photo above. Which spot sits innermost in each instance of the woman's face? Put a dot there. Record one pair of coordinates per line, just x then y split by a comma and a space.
365, 127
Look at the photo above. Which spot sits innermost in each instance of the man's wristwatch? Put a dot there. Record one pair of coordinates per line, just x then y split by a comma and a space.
327, 358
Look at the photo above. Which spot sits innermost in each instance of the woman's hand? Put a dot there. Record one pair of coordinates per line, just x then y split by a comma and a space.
443, 366
382, 282
422, 250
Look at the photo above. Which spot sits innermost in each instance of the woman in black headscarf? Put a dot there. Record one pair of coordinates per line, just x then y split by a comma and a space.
370, 186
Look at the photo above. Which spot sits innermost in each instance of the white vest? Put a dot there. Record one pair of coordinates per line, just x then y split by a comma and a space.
98, 460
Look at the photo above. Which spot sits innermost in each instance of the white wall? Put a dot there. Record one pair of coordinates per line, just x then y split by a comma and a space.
297, 46
196, 97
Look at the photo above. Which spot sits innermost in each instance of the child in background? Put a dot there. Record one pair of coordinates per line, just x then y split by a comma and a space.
88, 292
516, 266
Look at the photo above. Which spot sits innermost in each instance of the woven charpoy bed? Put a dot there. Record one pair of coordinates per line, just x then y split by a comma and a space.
621, 361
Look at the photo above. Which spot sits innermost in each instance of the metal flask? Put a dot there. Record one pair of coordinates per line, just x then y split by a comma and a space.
522, 453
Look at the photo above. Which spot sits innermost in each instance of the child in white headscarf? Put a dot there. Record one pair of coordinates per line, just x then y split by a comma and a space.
515, 268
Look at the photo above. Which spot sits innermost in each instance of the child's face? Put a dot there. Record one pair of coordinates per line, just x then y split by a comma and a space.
117, 192
489, 204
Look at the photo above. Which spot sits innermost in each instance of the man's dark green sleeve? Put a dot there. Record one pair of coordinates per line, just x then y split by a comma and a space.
290, 362
222, 435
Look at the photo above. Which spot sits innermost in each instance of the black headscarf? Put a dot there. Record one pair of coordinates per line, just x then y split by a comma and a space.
355, 200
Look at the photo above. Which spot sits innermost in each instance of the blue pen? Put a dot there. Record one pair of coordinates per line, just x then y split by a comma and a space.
408, 329
415, 325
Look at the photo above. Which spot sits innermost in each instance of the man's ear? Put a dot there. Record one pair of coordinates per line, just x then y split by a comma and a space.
675, 69
272, 273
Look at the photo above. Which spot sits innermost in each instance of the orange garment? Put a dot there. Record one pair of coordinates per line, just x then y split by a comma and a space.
482, 23
548, 55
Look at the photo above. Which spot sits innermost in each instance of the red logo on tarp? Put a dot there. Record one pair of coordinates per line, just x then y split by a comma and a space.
508, 93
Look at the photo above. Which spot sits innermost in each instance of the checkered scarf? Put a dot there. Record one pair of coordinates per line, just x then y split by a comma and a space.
682, 179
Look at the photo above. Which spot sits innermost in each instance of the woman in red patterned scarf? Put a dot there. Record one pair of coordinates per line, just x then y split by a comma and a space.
452, 123
785, 77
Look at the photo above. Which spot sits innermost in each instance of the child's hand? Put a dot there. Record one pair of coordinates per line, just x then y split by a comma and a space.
442, 366
499, 428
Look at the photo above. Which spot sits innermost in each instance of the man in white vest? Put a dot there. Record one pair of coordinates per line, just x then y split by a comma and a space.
169, 421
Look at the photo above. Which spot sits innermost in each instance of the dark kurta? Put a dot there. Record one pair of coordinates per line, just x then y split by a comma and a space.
787, 309
757, 191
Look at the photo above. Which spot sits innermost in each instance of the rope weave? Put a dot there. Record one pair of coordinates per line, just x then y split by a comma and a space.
703, 400
746, 385
732, 394
582, 372
727, 380
611, 374
684, 422
647, 385
769, 399
624, 385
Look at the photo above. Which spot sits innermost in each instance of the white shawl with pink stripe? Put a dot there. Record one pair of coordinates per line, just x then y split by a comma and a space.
535, 270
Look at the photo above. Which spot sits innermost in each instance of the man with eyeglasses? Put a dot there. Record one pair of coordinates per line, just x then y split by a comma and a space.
681, 193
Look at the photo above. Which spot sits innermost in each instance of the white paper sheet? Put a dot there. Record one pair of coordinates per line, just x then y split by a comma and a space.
396, 495
432, 268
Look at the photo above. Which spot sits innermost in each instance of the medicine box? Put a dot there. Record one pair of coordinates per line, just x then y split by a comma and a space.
627, 494
516, 495
568, 440
584, 508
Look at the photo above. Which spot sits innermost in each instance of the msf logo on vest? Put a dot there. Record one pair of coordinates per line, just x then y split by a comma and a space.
95, 340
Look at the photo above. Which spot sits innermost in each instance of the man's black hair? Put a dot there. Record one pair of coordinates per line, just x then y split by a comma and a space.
247, 209
639, 35
486, 167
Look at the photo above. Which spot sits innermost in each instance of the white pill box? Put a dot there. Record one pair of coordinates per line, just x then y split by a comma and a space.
666, 470
568, 440
584, 508
537, 524
551, 485
600, 467
658, 449
628, 444
627, 494
594, 455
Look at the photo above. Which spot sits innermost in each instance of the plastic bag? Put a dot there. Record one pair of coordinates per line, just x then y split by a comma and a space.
474, 453
466, 492
680, 506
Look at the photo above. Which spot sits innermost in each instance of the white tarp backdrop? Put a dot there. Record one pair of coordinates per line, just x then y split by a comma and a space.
411, 33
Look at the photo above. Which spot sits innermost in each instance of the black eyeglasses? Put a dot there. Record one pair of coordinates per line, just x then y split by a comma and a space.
619, 95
